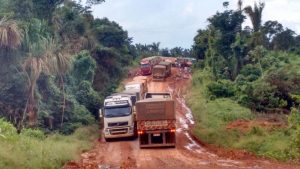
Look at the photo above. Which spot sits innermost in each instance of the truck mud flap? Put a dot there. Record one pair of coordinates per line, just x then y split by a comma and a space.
155, 139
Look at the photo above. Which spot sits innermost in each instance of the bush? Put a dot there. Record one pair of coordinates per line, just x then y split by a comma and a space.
88, 97
200, 64
33, 133
251, 70
222, 88
31, 149
7, 130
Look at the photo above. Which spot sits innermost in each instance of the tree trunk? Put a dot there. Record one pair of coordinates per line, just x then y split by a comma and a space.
64, 100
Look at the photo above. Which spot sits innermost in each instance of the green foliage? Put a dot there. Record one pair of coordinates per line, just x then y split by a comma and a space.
84, 67
33, 133
89, 97
201, 44
257, 68
212, 118
63, 94
7, 130
221, 88
50, 152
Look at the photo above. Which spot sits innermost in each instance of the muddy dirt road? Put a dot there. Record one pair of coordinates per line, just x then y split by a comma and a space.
188, 154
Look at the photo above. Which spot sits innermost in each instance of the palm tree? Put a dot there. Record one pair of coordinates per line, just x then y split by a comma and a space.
39, 60
255, 15
10, 34
33, 67
240, 5
63, 64
50, 61
155, 48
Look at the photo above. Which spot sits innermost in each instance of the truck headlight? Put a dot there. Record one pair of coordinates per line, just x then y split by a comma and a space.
106, 131
131, 129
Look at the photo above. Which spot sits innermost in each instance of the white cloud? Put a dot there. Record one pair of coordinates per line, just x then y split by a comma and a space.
175, 22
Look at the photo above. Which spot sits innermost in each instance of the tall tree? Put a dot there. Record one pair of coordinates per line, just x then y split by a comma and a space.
240, 5
62, 64
271, 28
10, 34
40, 60
155, 48
255, 15
200, 44
284, 40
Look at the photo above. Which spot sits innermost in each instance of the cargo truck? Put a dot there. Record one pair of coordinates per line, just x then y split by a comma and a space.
159, 73
156, 121
119, 116
139, 86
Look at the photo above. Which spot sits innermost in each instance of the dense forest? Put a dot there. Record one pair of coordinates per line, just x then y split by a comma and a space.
58, 62
243, 70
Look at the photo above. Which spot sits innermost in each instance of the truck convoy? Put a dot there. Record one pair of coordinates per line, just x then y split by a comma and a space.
152, 118
136, 112
148, 63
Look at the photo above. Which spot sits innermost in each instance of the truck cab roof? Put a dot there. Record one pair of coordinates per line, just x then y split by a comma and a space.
160, 66
165, 63
164, 95
117, 100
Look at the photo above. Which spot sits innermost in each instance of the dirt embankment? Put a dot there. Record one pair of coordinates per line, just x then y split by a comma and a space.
189, 152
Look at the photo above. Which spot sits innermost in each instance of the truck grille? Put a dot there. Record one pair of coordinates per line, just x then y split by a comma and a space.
118, 131
116, 124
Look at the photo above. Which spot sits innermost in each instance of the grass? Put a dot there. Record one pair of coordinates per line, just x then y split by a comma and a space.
31, 151
212, 117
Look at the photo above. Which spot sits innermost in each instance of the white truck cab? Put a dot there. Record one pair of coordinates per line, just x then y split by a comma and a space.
119, 117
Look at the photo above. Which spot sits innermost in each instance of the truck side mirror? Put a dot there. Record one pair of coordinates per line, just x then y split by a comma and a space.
100, 113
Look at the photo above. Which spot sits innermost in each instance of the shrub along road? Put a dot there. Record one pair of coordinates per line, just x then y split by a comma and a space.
189, 153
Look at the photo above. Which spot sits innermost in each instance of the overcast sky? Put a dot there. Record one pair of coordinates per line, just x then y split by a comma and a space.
175, 22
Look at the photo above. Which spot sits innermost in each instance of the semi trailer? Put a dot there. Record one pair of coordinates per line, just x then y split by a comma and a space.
156, 121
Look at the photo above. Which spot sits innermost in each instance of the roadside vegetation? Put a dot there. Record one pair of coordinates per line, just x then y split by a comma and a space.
33, 149
244, 75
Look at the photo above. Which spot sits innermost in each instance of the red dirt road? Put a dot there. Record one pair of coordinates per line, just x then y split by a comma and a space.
188, 154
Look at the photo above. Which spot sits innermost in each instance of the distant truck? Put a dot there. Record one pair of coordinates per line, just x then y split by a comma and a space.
184, 62
119, 116
161, 71
143, 80
168, 67
147, 64
156, 120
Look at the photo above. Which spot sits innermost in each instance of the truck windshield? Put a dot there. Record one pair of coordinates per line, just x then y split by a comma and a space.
117, 111
145, 65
